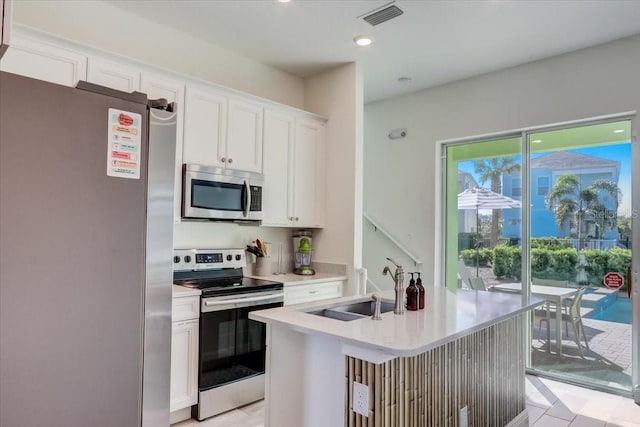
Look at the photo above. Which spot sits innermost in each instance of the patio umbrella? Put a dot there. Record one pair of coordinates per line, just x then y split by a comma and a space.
482, 198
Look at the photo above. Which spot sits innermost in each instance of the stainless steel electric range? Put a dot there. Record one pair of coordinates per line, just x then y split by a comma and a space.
232, 347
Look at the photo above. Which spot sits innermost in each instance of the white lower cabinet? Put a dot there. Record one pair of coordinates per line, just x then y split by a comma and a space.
297, 294
184, 355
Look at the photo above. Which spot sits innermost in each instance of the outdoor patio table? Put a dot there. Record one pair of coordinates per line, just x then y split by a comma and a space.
552, 294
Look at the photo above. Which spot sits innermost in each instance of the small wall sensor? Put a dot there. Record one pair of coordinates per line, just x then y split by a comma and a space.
397, 133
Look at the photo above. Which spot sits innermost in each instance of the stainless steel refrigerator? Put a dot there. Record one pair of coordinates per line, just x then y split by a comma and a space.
86, 241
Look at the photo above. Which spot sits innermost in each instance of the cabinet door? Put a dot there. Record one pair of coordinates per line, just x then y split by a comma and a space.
279, 131
308, 193
184, 364
298, 294
204, 127
244, 136
44, 61
157, 86
113, 74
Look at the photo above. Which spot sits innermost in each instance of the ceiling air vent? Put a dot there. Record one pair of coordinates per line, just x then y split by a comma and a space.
383, 15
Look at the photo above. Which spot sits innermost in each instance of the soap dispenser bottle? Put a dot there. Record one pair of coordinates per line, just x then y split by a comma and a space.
412, 295
420, 292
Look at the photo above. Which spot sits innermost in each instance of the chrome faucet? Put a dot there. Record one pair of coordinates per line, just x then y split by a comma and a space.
398, 280
378, 302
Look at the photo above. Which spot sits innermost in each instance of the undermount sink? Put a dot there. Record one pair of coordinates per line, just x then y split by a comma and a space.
354, 310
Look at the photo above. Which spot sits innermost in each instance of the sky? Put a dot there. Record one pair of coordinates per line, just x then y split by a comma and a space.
619, 152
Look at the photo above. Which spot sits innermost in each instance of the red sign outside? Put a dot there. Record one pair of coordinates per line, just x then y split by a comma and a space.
613, 280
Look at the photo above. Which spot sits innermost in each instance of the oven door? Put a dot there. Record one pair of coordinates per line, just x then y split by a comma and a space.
217, 193
232, 346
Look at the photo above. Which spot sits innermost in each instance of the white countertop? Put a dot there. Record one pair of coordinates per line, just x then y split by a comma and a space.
447, 316
182, 291
291, 279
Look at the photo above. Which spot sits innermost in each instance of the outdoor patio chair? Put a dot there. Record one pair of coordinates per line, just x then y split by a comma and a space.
558, 284
575, 318
477, 284
464, 275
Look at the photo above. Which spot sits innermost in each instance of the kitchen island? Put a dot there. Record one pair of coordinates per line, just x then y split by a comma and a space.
464, 350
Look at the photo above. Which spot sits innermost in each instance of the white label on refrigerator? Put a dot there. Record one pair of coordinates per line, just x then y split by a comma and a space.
123, 158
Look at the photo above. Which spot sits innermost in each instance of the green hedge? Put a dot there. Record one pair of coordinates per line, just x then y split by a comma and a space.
485, 257
561, 264
507, 261
557, 264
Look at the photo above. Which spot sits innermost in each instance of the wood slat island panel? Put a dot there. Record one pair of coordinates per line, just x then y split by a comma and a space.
484, 371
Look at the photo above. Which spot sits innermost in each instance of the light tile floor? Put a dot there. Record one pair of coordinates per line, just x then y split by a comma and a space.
550, 404
553, 403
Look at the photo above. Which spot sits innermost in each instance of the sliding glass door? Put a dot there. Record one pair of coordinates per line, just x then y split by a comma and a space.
557, 223
479, 252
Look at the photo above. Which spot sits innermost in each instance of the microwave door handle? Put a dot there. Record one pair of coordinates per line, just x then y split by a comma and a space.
247, 199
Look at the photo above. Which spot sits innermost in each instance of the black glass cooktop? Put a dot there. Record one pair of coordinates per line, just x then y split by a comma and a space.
222, 282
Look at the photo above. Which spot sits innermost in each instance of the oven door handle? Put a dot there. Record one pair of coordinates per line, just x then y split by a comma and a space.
243, 300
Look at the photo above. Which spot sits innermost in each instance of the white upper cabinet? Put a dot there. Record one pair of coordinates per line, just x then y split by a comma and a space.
115, 75
158, 86
277, 193
293, 193
205, 127
222, 131
44, 61
309, 173
244, 135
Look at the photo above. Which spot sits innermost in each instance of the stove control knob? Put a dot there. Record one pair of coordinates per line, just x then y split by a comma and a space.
229, 257
187, 258
176, 259
238, 257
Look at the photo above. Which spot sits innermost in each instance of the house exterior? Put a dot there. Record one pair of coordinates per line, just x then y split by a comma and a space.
545, 171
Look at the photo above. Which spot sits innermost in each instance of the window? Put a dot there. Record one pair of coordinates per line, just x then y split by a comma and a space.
516, 187
543, 185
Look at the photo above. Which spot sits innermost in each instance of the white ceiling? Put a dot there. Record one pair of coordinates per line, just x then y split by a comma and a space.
433, 42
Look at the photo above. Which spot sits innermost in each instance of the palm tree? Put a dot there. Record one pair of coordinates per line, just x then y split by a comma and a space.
492, 170
569, 200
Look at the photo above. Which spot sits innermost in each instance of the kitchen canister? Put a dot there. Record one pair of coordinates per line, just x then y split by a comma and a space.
262, 266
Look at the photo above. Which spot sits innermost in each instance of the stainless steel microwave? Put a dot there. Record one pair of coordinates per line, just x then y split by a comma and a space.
221, 194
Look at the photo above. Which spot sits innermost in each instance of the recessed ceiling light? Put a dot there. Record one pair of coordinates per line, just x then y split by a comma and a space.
618, 131
284, 1
404, 79
362, 40
536, 141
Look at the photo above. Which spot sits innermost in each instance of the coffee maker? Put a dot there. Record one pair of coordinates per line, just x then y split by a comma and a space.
302, 250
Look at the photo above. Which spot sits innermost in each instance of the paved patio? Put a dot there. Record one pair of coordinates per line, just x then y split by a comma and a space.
606, 363
608, 360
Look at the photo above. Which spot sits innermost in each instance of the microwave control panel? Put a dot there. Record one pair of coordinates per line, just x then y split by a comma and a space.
207, 259
256, 198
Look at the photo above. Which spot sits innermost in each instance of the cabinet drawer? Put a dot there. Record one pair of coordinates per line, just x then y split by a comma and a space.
185, 308
312, 292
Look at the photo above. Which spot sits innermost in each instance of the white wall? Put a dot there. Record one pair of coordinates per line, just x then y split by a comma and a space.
112, 29
399, 175
337, 94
